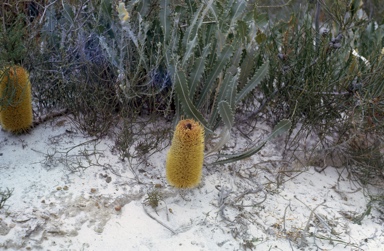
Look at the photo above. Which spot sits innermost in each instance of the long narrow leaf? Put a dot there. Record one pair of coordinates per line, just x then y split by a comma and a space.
226, 114
231, 91
192, 29
197, 71
236, 11
247, 66
189, 51
68, 13
224, 137
208, 7
221, 62
283, 126
220, 96
209, 37
164, 19
259, 75
178, 111
190, 110
191, 36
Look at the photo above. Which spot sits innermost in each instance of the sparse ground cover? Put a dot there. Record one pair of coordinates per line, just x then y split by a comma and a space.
263, 202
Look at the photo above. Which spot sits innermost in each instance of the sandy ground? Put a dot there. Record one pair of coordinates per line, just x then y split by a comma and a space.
262, 203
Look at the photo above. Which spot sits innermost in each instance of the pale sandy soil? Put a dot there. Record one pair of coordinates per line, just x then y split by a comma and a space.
261, 203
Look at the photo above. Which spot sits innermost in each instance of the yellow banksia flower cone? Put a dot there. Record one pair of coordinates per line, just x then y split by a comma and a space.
123, 13
15, 93
185, 158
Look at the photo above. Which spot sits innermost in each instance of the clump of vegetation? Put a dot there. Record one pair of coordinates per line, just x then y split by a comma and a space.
326, 66
153, 198
4, 196
207, 57
12, 49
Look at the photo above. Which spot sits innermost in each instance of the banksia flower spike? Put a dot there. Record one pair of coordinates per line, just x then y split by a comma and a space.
185, 157
15, 99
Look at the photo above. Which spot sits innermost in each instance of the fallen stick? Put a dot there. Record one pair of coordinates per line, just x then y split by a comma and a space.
158, 221
49, 116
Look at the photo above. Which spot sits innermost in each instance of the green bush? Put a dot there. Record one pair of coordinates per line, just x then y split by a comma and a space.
327, 79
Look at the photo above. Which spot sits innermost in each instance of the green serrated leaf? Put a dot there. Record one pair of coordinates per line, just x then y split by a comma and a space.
236, 11
132, 36
191, 37
231, 91
192, 29
164, 19
259, 75
227, 92
51, 20
238, 51
243, 155
105, 9
260, 19
354, 7
209, 37
191, 5
212, 9
189, 51
191, 33
208, 8
197, 71
247, 65
181, 89
68, 13
143, 30
221, 62
226, 114
220, 96
173, 46
111, 52
144, 7
224, 137
283, 126
242, 30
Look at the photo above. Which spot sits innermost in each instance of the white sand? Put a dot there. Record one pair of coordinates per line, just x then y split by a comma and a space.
250, 204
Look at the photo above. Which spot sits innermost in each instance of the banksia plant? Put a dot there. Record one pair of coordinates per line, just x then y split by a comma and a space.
185, 158
214, 65
15, 99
